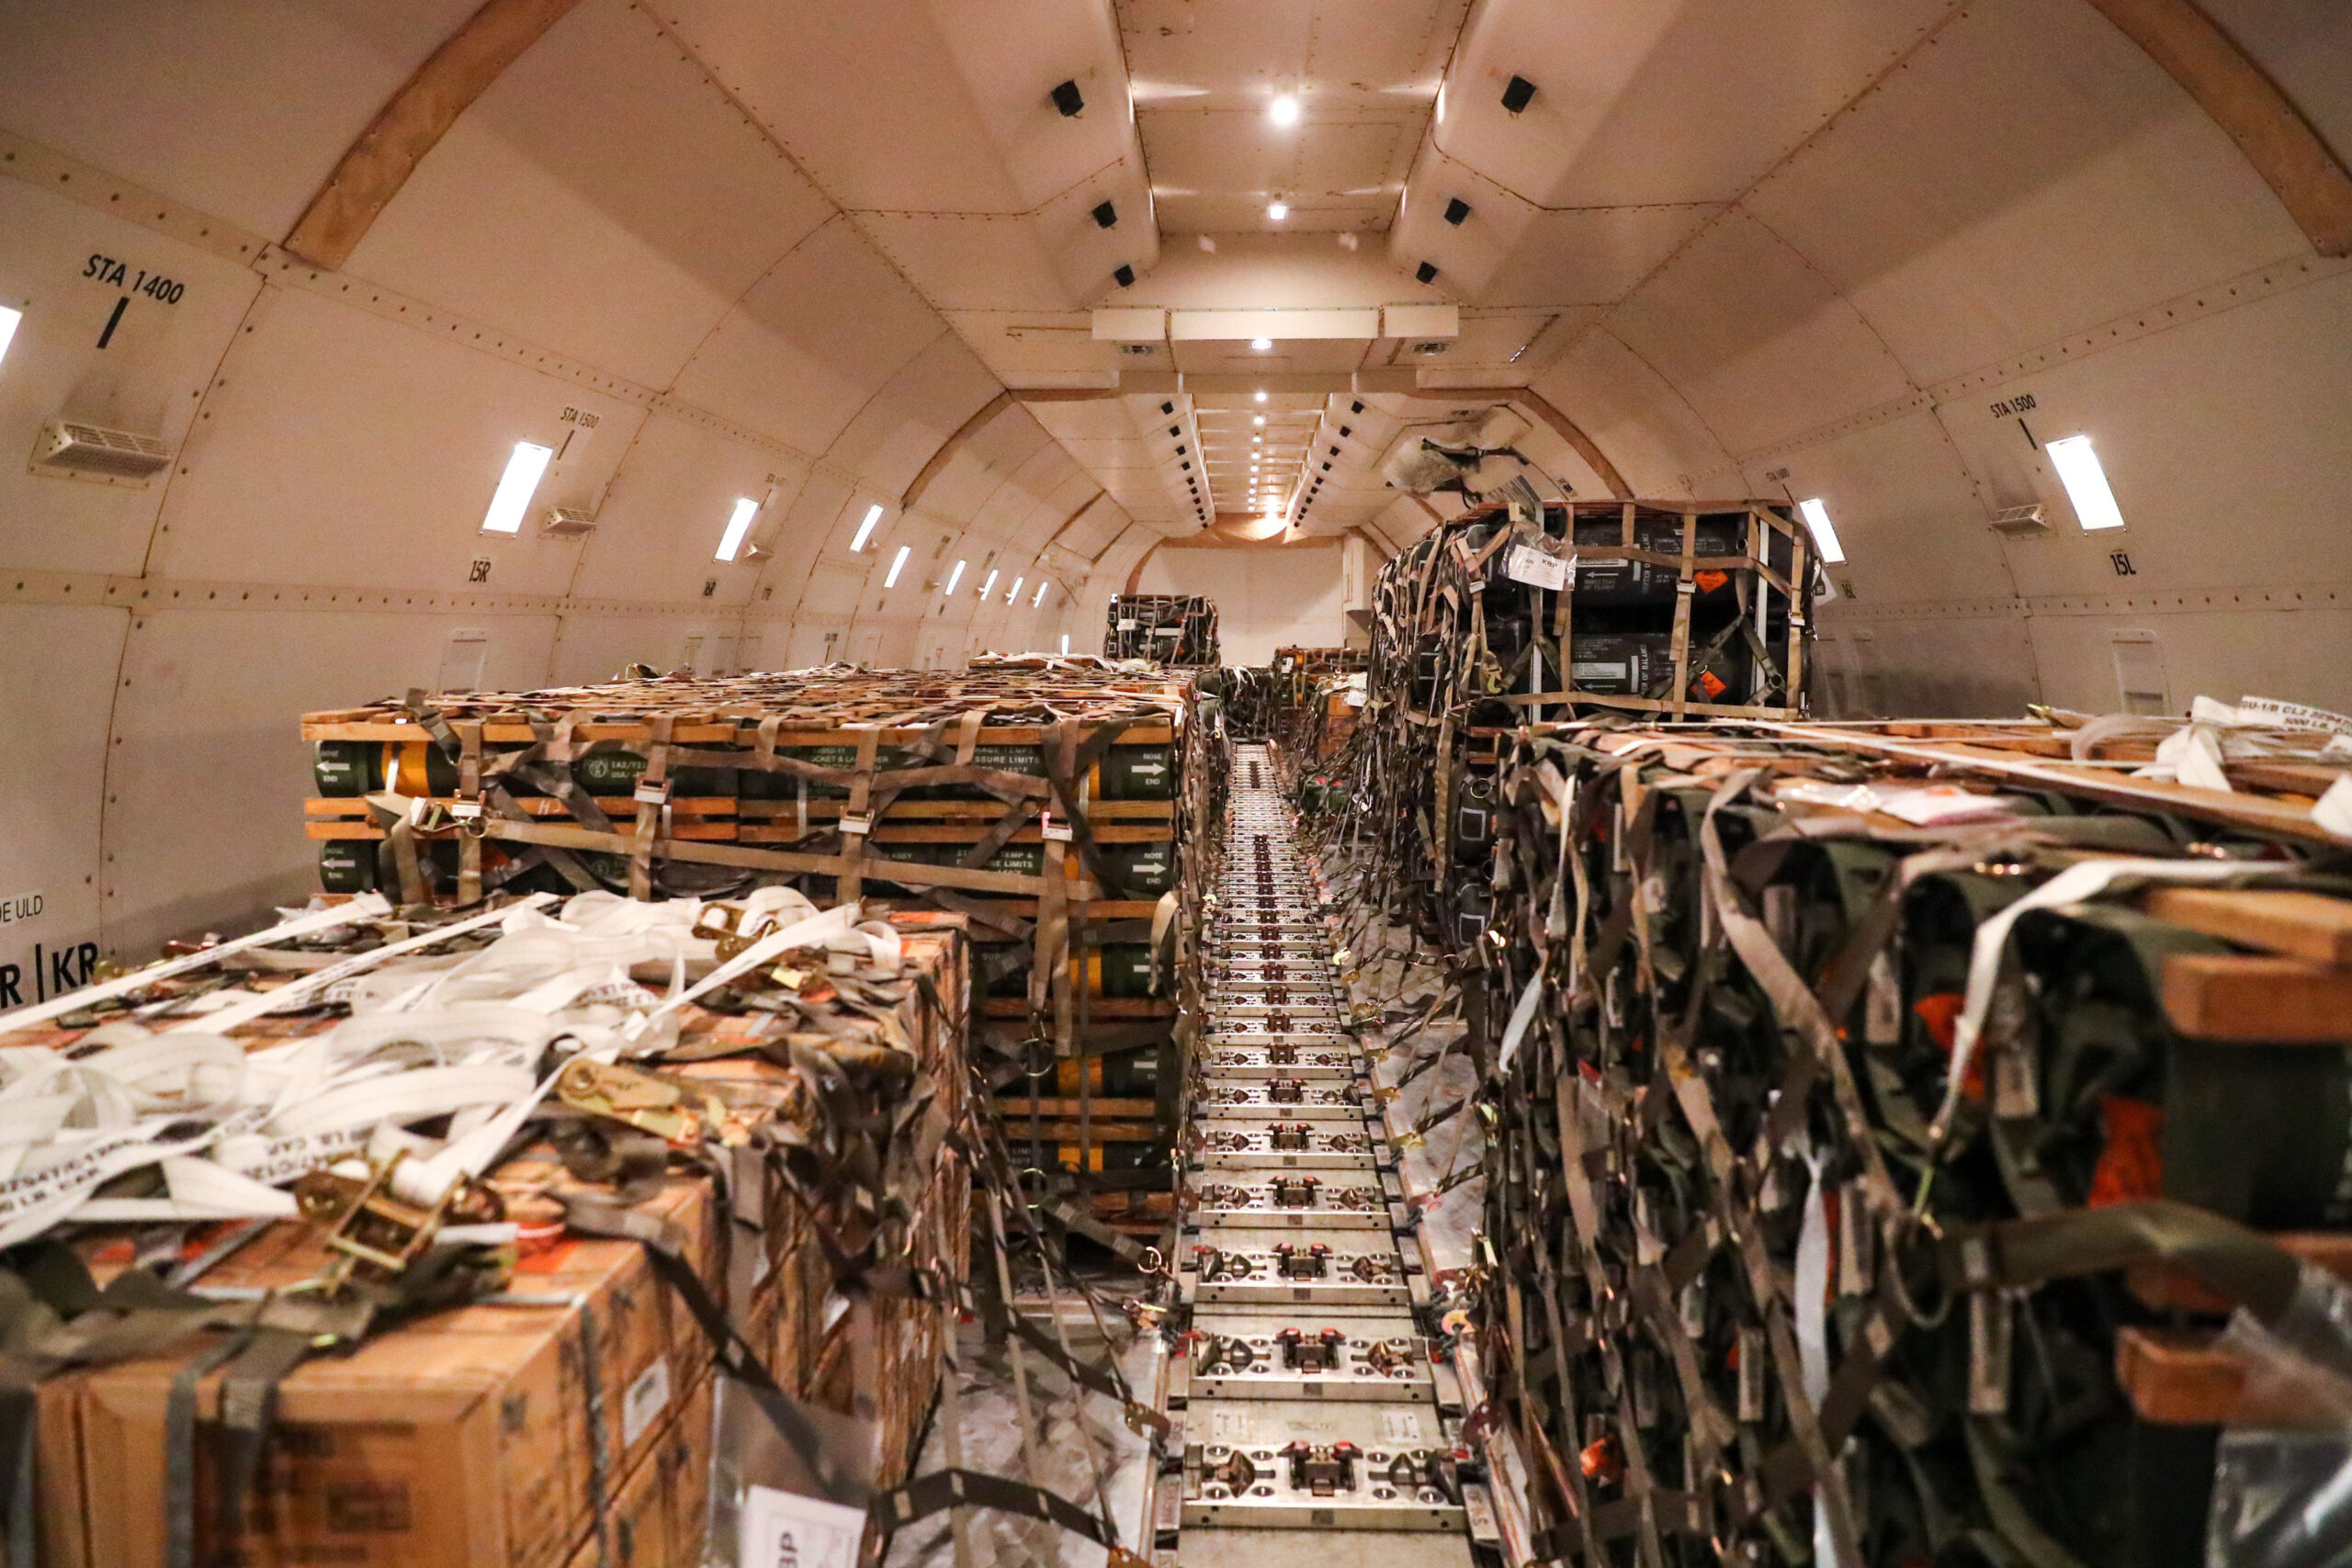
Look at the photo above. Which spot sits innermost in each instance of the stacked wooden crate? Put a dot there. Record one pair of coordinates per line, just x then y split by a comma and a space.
1319, 690
1165, 628
1946, 1006
563, 1420
1518, 613
1041, 798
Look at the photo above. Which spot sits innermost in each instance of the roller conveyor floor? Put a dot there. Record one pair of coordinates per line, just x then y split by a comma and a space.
1314, 1422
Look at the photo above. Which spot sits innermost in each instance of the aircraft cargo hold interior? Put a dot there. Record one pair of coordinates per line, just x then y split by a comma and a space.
1173, 784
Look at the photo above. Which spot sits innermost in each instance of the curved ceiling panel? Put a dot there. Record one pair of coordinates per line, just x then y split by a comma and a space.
1977, 245
618, 224
828, 327
239, 108
1648, 101
903, 422
1740, 323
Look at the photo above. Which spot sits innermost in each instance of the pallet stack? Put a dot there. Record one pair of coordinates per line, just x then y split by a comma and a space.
1049, 801
1165, 628
1871, 1167
1312, 718
557, 1412
1515, 612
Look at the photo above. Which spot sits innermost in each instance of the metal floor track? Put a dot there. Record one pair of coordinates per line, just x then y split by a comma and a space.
1312, 1423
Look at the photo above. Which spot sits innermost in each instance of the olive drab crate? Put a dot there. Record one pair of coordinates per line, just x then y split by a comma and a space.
1165, 628
1052, 801
1869, 1162
1517, 613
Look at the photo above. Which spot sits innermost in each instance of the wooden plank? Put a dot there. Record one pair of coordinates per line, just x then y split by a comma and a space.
905, 872
2181, 1378
2160, 1288
518, 733
1127, 1109
1016, 1110
2300, 925
2286, 819
2258, 998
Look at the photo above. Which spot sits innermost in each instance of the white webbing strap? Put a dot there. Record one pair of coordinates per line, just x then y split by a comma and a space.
2075, 885
368, 906
296, 993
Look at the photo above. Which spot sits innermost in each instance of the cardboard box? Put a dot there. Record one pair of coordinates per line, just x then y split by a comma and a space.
478, 1436
660, 1514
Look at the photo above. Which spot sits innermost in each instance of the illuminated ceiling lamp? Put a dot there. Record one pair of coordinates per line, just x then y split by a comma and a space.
1282, 110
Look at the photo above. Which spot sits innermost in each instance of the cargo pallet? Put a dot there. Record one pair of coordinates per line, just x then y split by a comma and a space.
1051, 802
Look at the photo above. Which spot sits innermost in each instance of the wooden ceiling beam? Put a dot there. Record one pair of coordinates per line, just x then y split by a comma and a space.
409, 125
2300, 170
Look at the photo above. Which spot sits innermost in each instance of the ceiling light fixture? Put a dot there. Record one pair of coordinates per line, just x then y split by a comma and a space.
866, 529
1278, 210
10, 317
1041, 593
953, 579
1258, 418
1013, 592
1825, 535
2086, 480
524, 467
897, 565
1261, 344
1262, 397
738, 524
1284, 110
989, 586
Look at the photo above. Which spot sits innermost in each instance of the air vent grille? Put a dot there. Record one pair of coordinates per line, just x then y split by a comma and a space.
95, 449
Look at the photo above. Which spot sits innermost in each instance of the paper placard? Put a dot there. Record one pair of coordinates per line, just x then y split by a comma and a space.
653, 793
1127, 624
1054, 832
646, 1399
1537, 569
859, 824
784, 1529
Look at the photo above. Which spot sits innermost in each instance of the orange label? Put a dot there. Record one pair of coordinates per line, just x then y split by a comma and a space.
1940, 1013
1710, 686
1708, 582
2132, 1166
